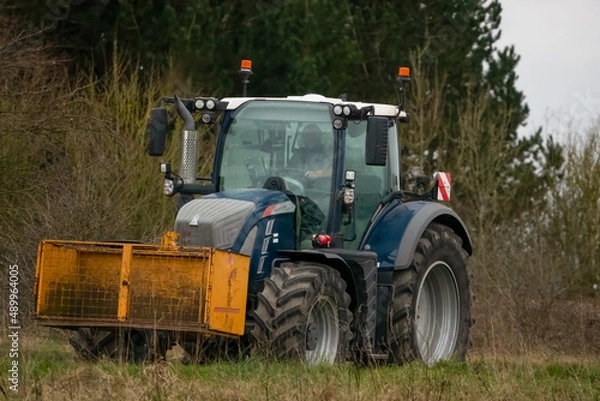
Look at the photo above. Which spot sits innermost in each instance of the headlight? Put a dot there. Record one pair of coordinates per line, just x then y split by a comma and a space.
168, 187
337, 110
199, 104
207, 118
348, 196
210, 104
165, 168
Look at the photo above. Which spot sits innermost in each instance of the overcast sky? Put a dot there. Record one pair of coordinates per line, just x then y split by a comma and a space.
559, 44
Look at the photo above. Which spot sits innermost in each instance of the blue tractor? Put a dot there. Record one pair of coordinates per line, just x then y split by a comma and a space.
342, 264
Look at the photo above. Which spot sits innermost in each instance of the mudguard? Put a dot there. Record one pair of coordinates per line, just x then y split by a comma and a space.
396, 230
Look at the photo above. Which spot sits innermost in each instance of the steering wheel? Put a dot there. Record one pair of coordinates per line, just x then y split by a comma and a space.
284, 184
288, 179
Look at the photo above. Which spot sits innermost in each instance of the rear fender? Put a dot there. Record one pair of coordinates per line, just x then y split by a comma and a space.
395, 233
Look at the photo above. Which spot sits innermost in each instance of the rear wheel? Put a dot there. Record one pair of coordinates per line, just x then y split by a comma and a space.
126, 345
431, 311
303, 314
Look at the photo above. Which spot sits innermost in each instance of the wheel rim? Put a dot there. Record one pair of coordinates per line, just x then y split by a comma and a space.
322, 334
437, 314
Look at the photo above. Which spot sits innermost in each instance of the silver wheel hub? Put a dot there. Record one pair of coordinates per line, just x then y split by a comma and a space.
437, 317
322, 332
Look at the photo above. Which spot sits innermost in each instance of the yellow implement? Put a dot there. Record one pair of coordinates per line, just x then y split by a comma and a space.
163, 287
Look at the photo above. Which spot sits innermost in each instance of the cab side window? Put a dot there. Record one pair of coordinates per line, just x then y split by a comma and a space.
370, 183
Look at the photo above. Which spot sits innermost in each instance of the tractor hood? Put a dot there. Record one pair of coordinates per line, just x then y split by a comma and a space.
225, 220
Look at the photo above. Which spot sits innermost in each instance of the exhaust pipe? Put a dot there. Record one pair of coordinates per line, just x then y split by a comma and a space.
189, 145
189, 156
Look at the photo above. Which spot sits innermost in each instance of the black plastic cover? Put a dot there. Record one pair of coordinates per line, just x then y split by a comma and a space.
376, 148
157, 131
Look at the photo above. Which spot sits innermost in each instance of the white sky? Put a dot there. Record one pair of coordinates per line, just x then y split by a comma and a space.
559, 44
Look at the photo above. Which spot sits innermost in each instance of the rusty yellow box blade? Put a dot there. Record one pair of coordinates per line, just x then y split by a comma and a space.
81, 284
228, 292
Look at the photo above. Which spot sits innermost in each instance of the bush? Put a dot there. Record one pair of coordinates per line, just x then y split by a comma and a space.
73, 152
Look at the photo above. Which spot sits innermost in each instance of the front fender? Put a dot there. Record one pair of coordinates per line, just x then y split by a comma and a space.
396, 231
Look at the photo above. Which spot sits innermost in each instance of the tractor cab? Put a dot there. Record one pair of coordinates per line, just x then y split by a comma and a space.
334, 160
292, 145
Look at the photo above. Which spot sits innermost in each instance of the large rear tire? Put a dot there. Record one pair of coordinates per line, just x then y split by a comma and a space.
302, 314
431, 315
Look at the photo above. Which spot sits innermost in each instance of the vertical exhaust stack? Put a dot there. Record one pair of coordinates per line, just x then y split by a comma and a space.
189, 156
189, 145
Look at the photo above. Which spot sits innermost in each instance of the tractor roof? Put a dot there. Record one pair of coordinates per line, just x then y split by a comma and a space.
388, 110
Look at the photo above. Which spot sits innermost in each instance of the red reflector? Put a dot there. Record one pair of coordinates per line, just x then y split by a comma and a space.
444, 186
321, 241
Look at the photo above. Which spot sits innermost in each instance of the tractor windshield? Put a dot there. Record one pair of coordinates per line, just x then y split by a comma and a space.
281, 145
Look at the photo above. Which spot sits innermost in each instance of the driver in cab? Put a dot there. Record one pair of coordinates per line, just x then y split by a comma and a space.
312, 158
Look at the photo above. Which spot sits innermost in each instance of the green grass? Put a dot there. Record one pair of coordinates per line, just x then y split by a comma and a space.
50, 371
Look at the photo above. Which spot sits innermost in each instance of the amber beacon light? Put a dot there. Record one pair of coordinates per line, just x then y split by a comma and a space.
245, 72
404, 72
246, 65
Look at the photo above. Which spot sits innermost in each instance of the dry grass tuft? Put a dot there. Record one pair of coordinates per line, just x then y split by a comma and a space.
51, 371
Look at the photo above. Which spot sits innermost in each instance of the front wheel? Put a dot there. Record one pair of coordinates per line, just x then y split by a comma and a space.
431, 314
303, 314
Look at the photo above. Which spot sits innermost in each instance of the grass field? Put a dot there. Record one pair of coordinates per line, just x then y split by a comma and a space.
49, 370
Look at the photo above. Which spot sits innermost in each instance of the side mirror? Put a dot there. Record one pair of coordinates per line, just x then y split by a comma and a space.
376, 148
157, 131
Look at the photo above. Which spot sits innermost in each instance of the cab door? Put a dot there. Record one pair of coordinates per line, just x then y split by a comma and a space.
372, 183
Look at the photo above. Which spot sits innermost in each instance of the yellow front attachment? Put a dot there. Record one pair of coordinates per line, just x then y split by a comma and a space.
163, 287
228, 292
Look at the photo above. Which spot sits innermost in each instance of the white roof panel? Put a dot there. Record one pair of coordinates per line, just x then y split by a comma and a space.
388, 110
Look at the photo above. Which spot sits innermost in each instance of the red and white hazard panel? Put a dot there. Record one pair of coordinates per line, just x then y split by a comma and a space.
444, 184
